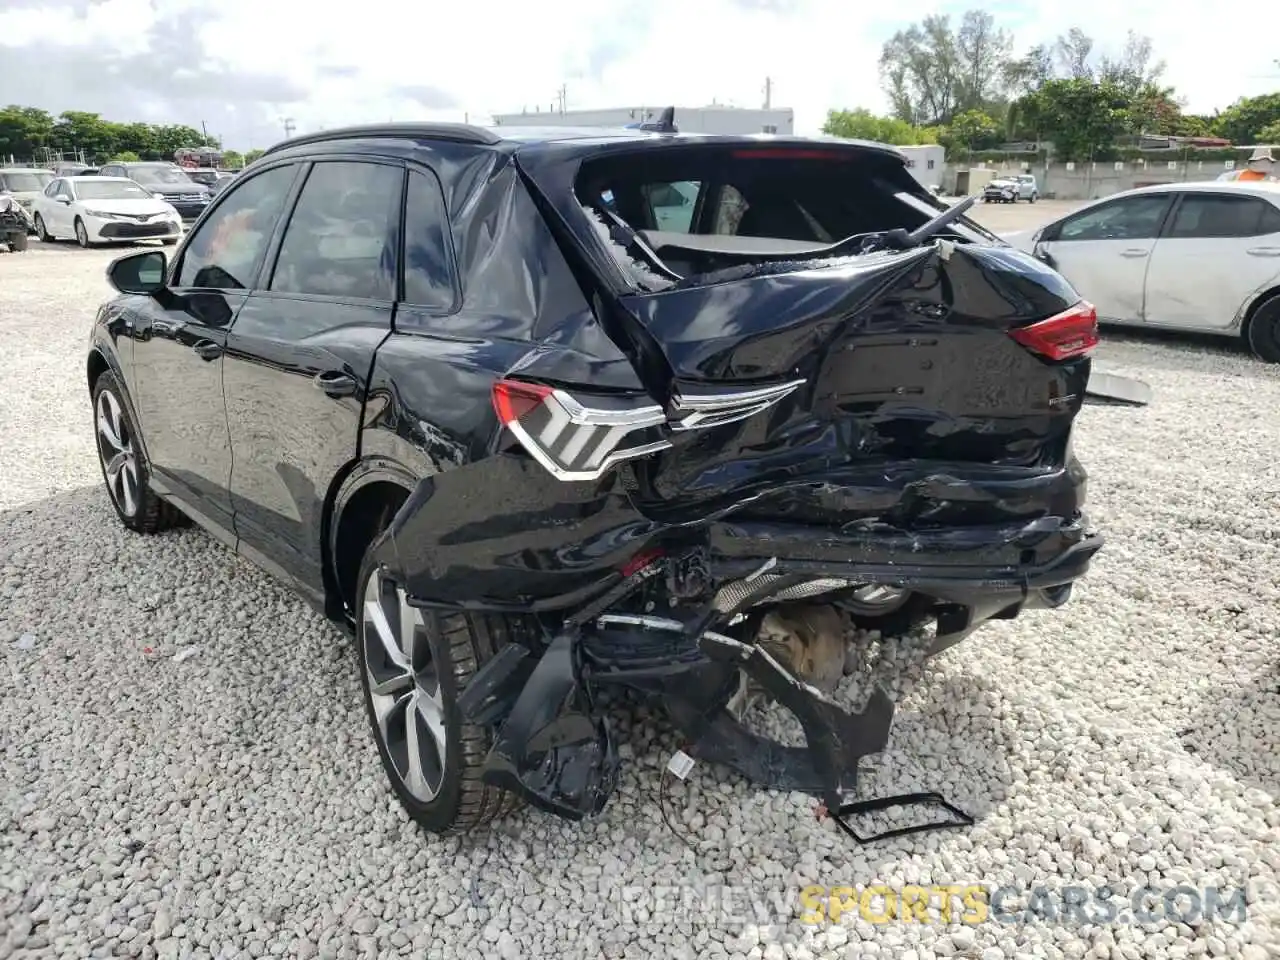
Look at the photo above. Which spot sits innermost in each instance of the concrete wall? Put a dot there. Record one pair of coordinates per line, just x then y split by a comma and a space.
1089, 181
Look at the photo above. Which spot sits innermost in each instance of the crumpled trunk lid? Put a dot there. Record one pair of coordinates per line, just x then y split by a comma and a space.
905, 372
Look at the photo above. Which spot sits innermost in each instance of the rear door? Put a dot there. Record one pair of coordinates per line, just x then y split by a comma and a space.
299, 358
1105, 252
1218, 251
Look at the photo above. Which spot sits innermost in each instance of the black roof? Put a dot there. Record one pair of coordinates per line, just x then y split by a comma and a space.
518, 136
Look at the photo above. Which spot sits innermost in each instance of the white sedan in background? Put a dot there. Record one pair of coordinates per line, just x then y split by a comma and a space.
1199, 257
93, 210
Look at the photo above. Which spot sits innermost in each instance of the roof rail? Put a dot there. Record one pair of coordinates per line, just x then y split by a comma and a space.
456, 132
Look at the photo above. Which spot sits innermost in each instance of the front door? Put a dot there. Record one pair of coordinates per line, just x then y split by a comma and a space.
178, 347
299, 359
1104, 252
1220, 249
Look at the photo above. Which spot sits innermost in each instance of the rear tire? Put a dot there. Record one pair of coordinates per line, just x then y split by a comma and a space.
414, 663
1263, 335
18, 242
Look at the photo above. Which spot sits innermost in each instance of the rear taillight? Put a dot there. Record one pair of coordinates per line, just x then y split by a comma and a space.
572, 439
1072, 333
579, 438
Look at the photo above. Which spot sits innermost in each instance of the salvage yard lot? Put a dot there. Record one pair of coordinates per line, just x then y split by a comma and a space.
232, 800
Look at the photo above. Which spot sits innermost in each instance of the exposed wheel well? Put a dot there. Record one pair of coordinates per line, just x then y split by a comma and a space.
1258, 301
97, 367
364, 516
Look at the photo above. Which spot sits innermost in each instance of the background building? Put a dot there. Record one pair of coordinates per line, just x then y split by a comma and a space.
712, 119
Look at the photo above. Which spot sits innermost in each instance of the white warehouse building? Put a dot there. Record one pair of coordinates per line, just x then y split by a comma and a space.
712, 119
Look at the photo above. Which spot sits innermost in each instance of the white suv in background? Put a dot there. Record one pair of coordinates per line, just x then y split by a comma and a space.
1011, 189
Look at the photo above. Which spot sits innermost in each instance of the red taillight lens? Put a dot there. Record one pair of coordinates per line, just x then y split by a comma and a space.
575, 439
513, 400
1072, 333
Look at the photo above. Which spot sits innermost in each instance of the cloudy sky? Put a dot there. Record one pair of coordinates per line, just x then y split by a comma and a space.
241, 66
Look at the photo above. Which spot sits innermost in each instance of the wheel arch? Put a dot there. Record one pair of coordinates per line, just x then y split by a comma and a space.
1252, 311
368, 493
102, 360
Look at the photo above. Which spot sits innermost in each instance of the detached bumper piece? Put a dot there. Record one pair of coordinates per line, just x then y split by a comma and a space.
554, 748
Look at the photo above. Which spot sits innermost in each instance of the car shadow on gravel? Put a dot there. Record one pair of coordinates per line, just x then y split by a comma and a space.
1239, 731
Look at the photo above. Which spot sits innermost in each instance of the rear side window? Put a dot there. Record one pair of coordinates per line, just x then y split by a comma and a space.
1270, 219
671, 205
1206, 216
428, 276
341, 240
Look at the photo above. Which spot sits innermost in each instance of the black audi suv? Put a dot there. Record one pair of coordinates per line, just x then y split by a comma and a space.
537, 413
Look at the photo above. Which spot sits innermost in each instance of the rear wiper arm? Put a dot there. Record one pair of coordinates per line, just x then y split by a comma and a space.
628, 238
900, 239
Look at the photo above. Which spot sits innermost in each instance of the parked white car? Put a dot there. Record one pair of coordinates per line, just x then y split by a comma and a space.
92, 210
1199, 257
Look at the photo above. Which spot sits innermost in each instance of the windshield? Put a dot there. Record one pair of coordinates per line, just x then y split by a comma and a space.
160, 173
203, 176
110, 190
25, 182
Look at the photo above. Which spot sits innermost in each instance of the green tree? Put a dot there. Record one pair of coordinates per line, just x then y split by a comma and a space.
862, 124
232, 159
931, 71
252, 155
125, 156
1270, 134
975, 130
78, 130
1083, 118
23, 131
1244, 120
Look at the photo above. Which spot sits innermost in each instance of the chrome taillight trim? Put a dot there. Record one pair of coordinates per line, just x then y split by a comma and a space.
705, 410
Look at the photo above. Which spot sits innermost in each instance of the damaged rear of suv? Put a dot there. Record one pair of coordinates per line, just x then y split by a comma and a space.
697, 403
820, 413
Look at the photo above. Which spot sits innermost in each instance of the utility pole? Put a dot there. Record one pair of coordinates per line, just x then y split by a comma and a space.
768, 92
288, 127
562, 96
205, 130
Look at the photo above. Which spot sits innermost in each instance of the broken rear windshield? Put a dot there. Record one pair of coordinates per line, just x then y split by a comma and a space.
672, 213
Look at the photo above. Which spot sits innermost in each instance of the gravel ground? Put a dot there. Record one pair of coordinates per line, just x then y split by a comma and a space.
185, 768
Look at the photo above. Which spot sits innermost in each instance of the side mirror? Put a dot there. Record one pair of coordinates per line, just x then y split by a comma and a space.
138, 272
63, 198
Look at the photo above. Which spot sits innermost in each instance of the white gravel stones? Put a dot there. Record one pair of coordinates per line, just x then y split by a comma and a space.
231, 804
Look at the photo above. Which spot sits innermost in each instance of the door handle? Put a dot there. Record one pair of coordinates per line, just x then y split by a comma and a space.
1263, 251
336, 383
207, 349
1133, 253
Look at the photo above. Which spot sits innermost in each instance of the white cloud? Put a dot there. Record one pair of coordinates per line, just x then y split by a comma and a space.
378, 59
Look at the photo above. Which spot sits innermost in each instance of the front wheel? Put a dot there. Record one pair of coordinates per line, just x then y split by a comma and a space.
1263, 335
42, 231
124, 468
414, 663
82, 235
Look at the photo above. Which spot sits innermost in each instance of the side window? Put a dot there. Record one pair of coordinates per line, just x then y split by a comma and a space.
341, 240
1203, 216
52, 189
1270, 219
224, 253
428, 277
1134, 218
110, 172
672, 204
